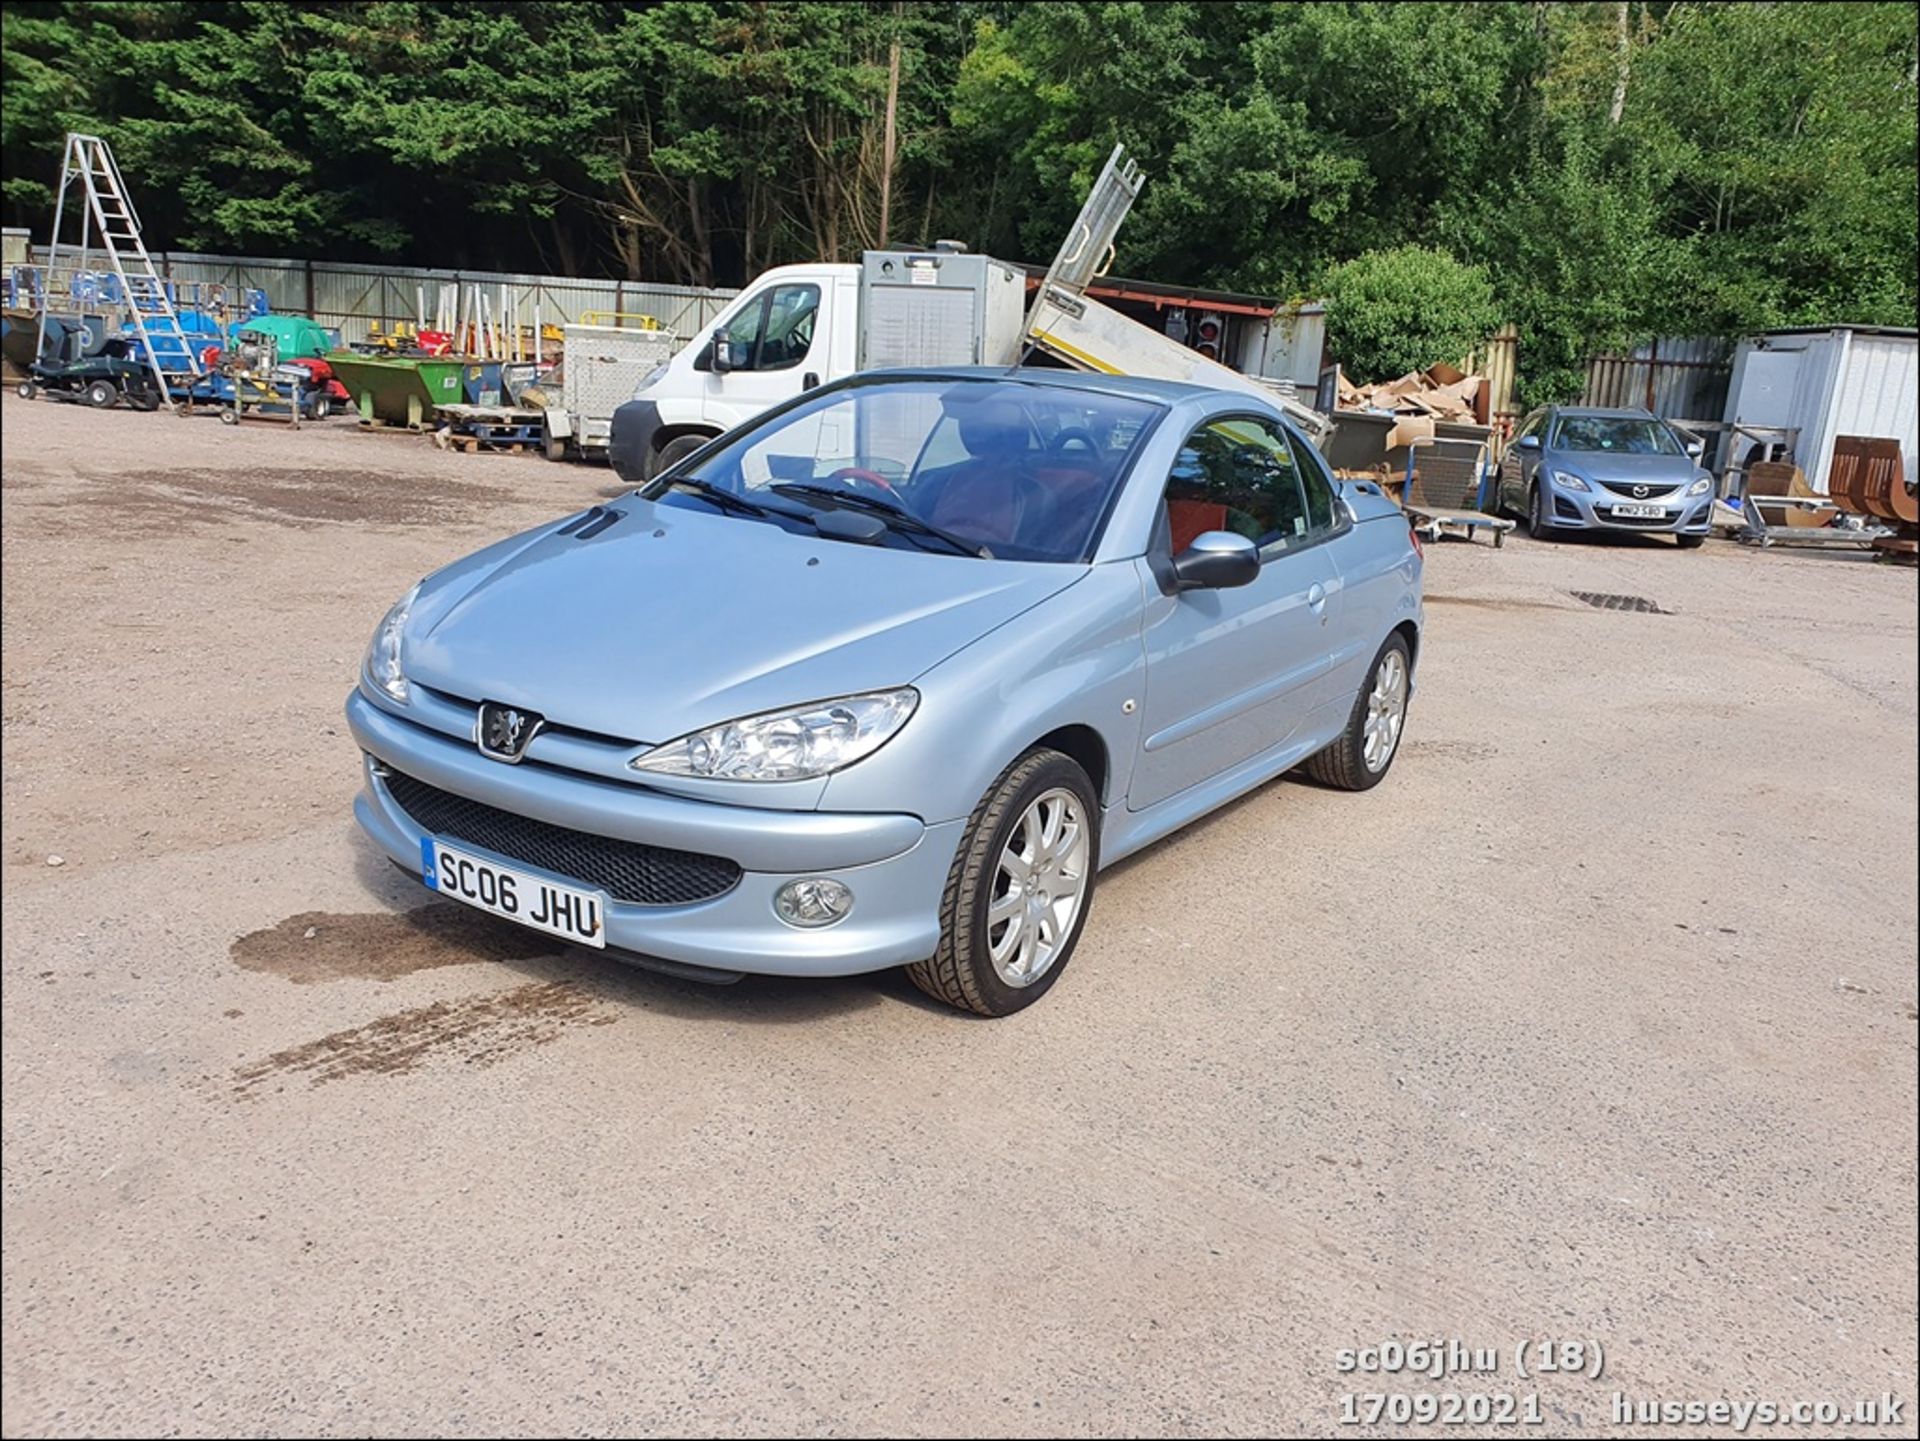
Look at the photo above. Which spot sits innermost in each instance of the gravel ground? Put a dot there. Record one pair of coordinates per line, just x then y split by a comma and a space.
1596, 1021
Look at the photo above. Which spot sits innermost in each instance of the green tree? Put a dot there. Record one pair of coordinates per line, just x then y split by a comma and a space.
1617, 172
1392, 311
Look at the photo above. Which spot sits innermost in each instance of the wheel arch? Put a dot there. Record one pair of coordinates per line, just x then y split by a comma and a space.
1410, 633
1087, 748
666, 435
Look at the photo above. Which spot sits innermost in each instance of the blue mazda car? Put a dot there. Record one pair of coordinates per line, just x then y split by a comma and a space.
1582, 468
884, 676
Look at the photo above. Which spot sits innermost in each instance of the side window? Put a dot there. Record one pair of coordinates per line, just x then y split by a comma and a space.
1239, 476
1324, 514
774, 331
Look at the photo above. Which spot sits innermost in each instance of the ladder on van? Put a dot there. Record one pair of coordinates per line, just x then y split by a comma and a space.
109, 216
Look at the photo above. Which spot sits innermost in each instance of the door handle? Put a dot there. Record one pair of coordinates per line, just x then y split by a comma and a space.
809, 381
1317, 601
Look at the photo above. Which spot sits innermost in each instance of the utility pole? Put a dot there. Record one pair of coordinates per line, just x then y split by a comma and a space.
893, 101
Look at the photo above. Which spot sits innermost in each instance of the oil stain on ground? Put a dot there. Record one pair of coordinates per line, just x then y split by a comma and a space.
326, 946
173, 501
1485, 602
475, 1031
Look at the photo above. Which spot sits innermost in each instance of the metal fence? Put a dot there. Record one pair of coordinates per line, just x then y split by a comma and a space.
1678, 379
356, 298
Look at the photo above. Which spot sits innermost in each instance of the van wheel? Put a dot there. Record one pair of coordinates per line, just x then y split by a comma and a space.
675, 451
102, 393
1358, 761
1021, 886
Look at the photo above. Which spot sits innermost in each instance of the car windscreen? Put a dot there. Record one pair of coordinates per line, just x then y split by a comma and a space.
1616, 435
1001, 467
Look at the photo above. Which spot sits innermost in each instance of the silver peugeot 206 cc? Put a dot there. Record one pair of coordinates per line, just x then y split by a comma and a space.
886, 675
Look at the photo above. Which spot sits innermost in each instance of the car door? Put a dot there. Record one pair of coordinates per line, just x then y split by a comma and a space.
1354, 617
1519, 462
775, 344
1231, 673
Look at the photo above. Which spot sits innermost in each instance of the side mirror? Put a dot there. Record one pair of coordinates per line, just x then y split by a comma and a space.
1528, 442
1217, 560
722, 356
1696, 448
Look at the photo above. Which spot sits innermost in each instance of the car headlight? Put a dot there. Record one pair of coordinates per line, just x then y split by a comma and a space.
382, 665
787, 745
1701, 486
1568, 481
652, 378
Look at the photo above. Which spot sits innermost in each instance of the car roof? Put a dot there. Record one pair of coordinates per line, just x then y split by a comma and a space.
1136, 387
1606, 413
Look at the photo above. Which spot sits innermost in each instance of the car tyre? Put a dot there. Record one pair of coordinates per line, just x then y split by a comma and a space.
1537, 527
1691, 542
675, 451
1006, 832
102, 393
1377, 720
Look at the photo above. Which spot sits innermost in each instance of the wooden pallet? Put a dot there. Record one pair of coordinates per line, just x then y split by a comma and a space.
473, 428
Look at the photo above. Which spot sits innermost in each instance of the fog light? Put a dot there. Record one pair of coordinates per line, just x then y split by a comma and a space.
812, 903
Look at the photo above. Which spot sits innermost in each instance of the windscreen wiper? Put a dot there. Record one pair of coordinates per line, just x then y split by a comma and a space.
725, 499
895, 516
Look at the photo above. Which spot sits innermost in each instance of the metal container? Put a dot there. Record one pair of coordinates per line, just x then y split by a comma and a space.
399, 390
938, 307
1817, 384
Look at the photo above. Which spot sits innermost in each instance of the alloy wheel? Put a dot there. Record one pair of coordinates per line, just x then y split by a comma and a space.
1386, 710
1038, 886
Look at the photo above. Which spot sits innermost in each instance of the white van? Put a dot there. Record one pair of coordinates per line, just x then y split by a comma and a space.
799, 326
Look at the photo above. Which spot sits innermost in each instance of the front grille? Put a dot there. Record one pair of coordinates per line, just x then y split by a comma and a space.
628, 871
1631, 489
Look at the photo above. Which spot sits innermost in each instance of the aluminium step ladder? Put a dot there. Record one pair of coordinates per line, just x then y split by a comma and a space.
109, 215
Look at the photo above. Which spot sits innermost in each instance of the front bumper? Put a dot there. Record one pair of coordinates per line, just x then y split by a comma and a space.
895, 865
630, 440
1593, 510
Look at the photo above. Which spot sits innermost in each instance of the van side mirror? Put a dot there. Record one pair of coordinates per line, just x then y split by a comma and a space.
1217, 560
722, 356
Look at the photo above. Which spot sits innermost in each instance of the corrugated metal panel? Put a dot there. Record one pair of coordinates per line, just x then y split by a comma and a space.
1879, 395
1828, 383
353, 298
1498, 362
1678, 378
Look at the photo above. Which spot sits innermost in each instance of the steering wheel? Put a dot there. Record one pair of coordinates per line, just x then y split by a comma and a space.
1072, 435
860, 476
